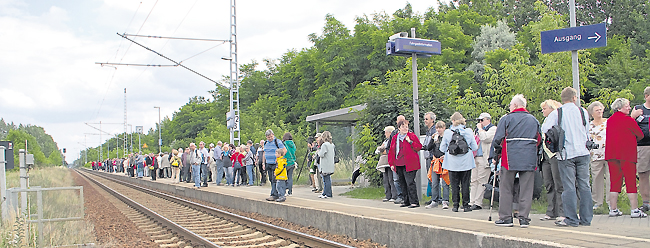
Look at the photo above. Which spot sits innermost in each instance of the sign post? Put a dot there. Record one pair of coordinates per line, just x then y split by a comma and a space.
400, 45
573, 39
3, 186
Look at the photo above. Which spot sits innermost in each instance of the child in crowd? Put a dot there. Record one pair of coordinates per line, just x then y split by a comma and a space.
281, 174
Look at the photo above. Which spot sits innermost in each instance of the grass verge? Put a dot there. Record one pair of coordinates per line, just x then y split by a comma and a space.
57, 204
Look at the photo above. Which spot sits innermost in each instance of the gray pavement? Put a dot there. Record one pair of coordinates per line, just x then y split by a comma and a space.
604, 232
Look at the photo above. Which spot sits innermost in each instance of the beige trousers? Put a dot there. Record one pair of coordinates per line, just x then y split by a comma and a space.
600, 183
480, 176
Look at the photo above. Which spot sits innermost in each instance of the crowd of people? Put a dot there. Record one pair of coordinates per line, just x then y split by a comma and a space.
571, 146
274, 160
461, 160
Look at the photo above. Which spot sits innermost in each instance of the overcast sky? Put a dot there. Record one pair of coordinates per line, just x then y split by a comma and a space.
48, 51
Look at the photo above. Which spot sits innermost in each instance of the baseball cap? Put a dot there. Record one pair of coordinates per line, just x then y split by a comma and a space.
483, 116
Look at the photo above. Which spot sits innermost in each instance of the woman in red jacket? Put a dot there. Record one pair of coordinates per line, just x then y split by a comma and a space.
237, 163
621, 155
403, 158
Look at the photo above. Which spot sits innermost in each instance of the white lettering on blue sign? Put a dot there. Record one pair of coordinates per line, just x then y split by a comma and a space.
568, 38
420, 44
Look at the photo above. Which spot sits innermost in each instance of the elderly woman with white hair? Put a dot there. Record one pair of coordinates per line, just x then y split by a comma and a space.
389, 186
599, 170
621, 156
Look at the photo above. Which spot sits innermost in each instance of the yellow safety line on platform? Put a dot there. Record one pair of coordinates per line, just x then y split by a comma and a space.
559, 229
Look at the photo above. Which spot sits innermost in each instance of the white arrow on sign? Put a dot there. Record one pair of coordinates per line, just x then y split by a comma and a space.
597, 37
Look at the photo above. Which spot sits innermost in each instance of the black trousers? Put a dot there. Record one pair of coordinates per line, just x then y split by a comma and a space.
263, 173
463, 178
407, 183
153, 174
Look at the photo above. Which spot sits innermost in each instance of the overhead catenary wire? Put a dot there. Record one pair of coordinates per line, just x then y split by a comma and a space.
174, 38
166, 42
125, 64
110, 82
177, 63
201, 52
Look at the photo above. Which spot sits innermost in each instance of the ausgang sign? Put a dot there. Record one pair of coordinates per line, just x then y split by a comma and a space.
576, 38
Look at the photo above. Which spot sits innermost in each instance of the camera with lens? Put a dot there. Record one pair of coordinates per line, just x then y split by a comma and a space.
591, 145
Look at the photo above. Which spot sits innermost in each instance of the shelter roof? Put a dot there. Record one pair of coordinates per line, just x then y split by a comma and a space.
345, 115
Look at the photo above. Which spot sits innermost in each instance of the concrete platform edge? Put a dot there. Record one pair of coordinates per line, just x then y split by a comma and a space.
388, 232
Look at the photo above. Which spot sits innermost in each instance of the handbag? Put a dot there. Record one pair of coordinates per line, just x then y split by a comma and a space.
383, 163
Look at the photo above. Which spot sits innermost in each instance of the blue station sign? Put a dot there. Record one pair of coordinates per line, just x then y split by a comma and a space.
576, 38
408, 46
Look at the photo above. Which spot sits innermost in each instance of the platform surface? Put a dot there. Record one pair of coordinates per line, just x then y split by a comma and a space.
604, 231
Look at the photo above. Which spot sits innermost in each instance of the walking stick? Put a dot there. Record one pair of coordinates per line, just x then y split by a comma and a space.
494, 181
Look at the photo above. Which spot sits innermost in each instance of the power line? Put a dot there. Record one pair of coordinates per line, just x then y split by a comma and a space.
202, 52
102, 64
173, 38
177, 63
127, 50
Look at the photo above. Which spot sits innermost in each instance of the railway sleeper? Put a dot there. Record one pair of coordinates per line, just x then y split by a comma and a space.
228, 234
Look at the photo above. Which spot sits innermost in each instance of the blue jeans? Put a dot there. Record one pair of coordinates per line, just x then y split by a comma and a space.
435, 188
327, 185
572, 171
251, 175
204, 174
219, 172
196, 175
140, 170
290, 177
270, 170
281, 186
397, 186
230, 175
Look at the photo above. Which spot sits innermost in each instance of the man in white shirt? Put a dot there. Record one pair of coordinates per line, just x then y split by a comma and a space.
205, 158
573, 159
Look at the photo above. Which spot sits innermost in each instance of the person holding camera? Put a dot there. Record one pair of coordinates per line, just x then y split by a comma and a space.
621, 156
641, 114
599, 170
573, 159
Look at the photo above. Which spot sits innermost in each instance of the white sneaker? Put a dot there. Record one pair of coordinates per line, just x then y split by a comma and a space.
320, 196
616, 213
445, 205
432, 205
325, 197
637, 213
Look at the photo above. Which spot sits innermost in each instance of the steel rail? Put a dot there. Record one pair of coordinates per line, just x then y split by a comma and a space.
195, 239
284, 233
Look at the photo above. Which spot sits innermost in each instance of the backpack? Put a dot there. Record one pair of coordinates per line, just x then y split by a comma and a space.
555, 137
458, 145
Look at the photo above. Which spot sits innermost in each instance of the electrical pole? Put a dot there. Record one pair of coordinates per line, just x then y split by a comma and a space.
234, 76
126, 136
159, 129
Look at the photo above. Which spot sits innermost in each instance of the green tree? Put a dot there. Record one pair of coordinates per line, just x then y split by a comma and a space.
19, 137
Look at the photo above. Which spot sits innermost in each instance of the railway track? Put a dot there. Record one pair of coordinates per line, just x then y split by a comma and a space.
175, 222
